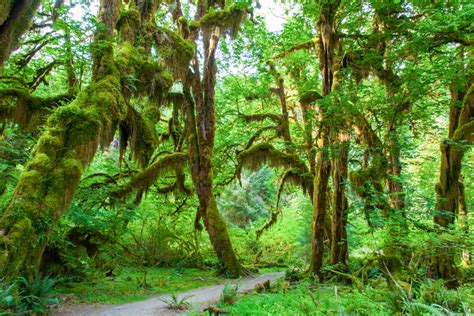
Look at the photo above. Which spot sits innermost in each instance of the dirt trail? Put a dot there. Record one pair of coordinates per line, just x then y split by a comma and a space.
199, 298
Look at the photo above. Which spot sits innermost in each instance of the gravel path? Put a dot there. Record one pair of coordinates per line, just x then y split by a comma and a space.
199, 298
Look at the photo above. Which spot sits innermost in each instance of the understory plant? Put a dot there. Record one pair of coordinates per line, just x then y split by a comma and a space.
28, 297
176, 303
229, 294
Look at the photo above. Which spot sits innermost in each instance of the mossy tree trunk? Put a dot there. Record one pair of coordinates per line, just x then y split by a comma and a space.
449, 188
200, 94
327, 43
72, 136
463, 219
339, 211
15, 18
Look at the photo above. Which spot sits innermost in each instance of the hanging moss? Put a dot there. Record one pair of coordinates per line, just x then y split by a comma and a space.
29, 112
265, 153
309, 97
228, 19
145, 179
176, 51
289, 176
297, 172
141, 74
262, 117
138, 133
128, 24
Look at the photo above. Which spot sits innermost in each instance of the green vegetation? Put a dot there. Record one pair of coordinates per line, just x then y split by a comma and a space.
338, 299
153, 147
130, 285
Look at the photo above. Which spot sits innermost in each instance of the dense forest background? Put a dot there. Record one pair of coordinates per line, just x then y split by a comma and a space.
332, 141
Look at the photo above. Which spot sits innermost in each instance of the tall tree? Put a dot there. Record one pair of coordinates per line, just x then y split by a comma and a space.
449, 189
214, 20
327, 45
72, 137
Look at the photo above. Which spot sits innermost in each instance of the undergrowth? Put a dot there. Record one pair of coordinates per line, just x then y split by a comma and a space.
128, 285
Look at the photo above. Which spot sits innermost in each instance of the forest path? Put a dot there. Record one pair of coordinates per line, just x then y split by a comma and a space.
199, 299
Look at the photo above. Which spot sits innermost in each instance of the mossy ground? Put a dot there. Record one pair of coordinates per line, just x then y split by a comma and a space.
125, 287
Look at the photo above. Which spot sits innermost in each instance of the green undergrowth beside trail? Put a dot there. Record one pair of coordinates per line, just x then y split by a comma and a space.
307, 298
128, 285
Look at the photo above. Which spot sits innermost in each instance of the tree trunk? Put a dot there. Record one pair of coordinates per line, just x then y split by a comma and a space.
320, 205
463, 219
339, 212
448, 189
200, 131
74, 132
15, 18
326, 49
394, 183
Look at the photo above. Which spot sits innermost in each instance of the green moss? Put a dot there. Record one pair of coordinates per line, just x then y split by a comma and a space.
164, 164
128, 24
309, 96
142, 74
72, 167
13, 247
5, 7
40, 162
262, 153
186, 47
128, 59
49, 142
228, 19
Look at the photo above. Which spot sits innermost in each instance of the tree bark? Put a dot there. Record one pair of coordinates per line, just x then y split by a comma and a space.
15, 18
448, 189
200, 134
328, 41
339, 212
74, 132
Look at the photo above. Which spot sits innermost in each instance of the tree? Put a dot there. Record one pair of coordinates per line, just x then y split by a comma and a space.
74, 132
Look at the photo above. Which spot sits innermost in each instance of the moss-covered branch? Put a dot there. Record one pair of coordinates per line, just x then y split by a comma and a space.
138, 133
262, 117
28, 111
228, 19
144, 180
176, 51
293, 177
311, 44
264, 153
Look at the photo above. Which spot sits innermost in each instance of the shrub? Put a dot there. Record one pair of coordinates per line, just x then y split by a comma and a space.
176, 303
34, 295
435, 293
7, 296
229, 294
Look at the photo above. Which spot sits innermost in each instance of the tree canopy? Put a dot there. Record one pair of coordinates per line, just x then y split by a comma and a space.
132, 130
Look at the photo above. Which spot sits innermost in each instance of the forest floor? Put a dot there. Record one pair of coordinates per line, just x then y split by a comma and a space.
198, 299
